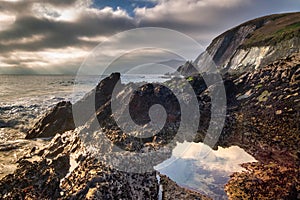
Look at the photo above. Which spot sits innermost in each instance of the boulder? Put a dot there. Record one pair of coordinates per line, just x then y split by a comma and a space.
60, 119
188, 69
93, 100
57, 120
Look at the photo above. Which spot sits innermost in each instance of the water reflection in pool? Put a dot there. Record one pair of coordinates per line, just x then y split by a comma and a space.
198, 167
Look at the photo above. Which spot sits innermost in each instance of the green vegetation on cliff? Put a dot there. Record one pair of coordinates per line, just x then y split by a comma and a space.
276, 28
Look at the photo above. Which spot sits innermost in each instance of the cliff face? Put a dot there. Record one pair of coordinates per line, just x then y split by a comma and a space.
255, 43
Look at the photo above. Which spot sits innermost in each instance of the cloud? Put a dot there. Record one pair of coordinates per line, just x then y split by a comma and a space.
55, 27
205, 19
87, 23
63, 3
31, 26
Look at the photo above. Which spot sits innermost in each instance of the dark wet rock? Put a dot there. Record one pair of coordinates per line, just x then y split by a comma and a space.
61, 117
57, 120
139, 101
94, 100
38, 175
64, 170
3, 124
172, 191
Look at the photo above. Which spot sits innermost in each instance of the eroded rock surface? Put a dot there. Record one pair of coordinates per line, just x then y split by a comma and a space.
65, 170
266, 125
60, 118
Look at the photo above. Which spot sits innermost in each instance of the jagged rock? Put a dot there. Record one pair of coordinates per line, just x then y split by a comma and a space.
57, 120
94, 100
188, 69
93, 180
40, 179
65, 170
296, 77
80, 174
60, 118
270, 117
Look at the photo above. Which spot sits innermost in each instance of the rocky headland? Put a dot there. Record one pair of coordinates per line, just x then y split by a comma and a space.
260, 65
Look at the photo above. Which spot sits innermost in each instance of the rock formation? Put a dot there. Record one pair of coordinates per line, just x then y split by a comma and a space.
60, 118
57, 120
172, 191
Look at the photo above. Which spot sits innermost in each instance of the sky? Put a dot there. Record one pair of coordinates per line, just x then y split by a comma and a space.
56, 36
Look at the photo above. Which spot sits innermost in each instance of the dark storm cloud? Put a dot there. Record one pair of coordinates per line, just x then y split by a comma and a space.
60, 2
59, 34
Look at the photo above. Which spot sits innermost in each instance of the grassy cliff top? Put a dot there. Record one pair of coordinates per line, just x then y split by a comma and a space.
269, 30
276, 28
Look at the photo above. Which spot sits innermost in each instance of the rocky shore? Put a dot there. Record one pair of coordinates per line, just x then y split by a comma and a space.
64, 169
262, 117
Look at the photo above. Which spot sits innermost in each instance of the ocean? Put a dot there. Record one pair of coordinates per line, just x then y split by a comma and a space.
24, 97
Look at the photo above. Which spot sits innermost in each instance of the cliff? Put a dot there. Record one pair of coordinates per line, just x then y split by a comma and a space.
255, 43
